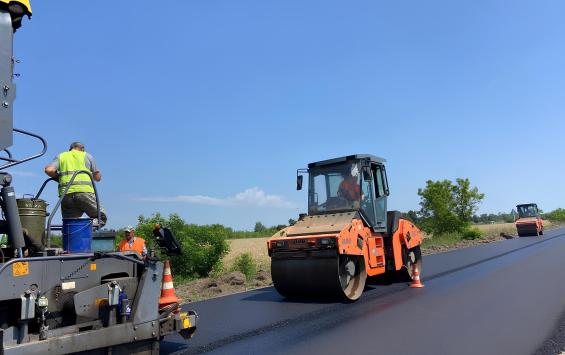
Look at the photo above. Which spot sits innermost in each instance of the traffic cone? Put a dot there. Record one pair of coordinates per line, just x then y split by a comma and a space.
168, 296
416, 283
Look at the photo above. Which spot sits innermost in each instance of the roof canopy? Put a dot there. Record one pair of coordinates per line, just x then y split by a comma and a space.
353, 157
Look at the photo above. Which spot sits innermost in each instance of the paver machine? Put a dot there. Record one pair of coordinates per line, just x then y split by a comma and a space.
347, 235
529, 222
53, 302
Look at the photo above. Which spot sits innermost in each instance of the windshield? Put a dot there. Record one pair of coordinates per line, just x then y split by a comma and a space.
527, 211
334, 188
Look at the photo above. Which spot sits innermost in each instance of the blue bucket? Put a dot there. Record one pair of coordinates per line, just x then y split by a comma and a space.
77, 235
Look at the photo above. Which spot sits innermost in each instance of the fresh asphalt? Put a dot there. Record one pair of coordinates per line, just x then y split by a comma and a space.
506, 297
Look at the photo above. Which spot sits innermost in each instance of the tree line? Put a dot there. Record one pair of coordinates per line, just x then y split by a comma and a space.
445, 207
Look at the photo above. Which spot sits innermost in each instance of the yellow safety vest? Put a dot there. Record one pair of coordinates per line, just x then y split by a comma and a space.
24, 3
69, 163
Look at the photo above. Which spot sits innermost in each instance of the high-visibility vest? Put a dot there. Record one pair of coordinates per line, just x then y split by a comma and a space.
138, 245
69, 163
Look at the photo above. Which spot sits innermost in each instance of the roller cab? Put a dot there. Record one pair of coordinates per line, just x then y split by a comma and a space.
529, 222
347, 235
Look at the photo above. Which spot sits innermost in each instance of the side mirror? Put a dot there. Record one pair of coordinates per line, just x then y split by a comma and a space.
299, 181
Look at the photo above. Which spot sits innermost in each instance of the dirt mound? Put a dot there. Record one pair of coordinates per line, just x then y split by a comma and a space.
233, 278
263, 276
229, 283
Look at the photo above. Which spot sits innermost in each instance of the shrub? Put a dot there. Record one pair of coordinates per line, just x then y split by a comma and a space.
471, 234
556, 215
202, 246
218, 270
447, 207
245, 264
259, 227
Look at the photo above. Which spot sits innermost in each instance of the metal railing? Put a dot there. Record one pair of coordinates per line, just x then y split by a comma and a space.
10, 159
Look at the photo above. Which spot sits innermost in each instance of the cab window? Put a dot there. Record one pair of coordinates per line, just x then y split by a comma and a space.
380, 185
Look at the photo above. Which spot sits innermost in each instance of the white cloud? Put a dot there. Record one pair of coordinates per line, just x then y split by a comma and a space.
256, 196
250, 197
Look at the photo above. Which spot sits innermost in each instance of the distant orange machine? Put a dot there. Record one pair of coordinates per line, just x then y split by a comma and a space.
529, 222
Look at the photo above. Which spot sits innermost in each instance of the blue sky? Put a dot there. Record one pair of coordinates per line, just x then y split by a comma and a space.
207, 108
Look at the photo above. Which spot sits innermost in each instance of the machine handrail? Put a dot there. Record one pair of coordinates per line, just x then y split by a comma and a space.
13, 162
8, 152
48, 232
9, 158
42, 188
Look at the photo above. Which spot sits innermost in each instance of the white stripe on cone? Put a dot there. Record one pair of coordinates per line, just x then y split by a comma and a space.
167, 285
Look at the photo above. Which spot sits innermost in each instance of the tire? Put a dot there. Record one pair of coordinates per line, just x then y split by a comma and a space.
414, 258
409, 258
352, 285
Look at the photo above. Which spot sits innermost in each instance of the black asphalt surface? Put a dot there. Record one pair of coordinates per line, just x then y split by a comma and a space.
506, 297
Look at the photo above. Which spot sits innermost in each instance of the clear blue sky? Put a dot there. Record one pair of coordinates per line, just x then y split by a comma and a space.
207, 108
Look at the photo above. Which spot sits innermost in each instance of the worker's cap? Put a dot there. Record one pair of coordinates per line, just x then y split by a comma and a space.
76, 145
129, 229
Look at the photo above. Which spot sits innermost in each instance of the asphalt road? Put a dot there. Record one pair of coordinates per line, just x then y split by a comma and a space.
500, 298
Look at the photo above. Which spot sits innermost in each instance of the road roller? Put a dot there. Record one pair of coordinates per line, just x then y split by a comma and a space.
529, 222
347, 236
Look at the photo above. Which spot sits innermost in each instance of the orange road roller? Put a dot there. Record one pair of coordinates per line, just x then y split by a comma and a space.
347, 235
529, 222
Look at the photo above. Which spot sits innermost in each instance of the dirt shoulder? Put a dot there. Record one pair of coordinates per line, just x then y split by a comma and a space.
235, 281
227, 284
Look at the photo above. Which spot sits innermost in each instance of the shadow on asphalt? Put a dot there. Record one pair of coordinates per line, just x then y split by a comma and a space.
168, 347
271, 295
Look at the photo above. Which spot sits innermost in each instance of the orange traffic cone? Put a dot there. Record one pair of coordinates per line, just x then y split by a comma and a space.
416, 283
168, 296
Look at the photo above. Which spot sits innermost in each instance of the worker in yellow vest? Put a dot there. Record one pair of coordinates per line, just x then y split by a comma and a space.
132, 242
80, 197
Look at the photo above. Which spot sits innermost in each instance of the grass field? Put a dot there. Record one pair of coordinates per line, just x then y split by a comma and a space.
495, 229
256, 246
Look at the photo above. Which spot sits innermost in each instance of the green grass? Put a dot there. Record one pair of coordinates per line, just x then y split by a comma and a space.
56, 241
447, 239
245, 264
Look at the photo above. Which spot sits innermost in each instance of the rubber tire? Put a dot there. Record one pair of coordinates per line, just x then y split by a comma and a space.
405, 273
418, 261
361, 274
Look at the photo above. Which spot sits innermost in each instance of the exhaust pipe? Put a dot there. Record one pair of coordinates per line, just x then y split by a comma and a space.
10, 207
